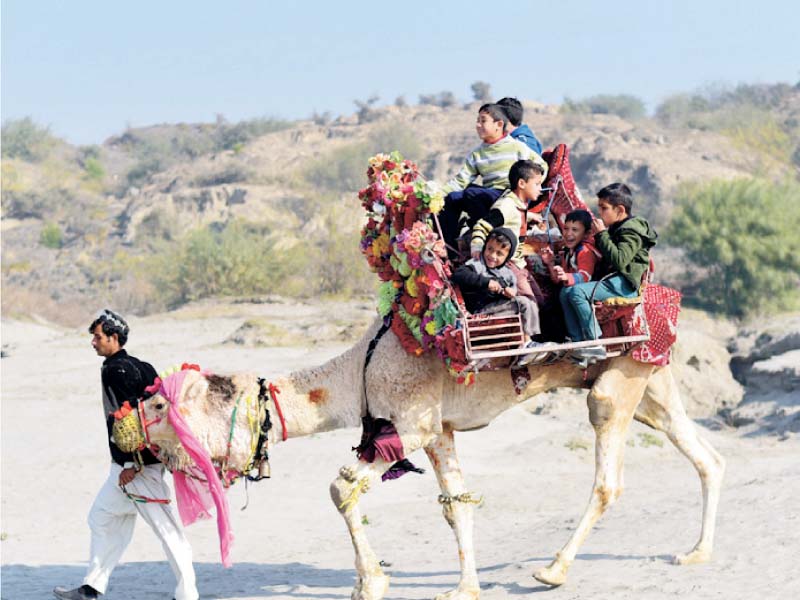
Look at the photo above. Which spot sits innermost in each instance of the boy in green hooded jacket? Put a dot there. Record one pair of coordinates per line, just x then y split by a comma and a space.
625, 242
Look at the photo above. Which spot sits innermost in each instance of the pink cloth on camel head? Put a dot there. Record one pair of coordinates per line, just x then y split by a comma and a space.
201, 490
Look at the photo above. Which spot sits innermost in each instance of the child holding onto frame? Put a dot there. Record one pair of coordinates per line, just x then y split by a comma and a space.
575, 263
624, 242
489, 286
510, 210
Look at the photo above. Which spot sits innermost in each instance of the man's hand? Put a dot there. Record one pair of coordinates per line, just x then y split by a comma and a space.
509, 292
126, 476
598, 225
494, 286
548, 258
560, 274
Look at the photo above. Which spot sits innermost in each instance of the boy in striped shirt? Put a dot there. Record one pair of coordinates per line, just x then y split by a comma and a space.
491, 160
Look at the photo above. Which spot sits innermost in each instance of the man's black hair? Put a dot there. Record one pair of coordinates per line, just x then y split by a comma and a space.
496, 112
584, 217
617, 194
523, 169
111, 323
513, 109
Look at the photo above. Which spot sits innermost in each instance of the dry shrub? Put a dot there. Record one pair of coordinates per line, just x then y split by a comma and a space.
23, 303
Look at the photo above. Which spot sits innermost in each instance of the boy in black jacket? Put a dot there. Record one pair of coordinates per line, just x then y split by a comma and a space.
489, 286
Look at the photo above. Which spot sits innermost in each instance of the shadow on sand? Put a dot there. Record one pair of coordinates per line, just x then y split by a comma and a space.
154, 580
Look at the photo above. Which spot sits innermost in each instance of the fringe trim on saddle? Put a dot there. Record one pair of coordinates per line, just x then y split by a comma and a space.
379, 438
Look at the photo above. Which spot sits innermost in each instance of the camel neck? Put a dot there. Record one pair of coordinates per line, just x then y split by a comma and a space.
319, 399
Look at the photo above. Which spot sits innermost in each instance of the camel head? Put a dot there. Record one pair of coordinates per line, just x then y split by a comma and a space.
205, 403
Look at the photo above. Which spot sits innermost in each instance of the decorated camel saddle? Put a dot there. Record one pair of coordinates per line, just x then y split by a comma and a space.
424, 309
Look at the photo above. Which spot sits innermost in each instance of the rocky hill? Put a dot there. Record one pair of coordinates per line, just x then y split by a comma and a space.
91, 225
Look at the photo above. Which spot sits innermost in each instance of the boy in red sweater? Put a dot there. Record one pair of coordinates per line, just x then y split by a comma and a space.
576, 261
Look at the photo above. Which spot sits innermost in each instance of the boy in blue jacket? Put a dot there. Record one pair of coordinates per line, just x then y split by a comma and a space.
519, 130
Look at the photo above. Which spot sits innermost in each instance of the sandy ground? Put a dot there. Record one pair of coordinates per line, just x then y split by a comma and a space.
534, 470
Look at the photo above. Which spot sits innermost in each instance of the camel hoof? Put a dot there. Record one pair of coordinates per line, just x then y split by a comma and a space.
373, 587
695, 557
555, 574
460, 594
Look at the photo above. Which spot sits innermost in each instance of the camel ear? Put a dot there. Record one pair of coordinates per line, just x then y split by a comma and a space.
195, 388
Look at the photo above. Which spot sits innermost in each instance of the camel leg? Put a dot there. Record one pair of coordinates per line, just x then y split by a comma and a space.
371, 582
662, 409
457, 508
612, 402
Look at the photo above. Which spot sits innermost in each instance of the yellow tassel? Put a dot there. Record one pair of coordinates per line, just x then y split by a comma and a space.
127, 433
349, 502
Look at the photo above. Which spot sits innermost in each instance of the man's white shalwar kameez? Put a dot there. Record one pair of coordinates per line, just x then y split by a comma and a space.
112, 519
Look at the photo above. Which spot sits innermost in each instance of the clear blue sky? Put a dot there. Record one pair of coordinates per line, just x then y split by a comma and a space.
89, 68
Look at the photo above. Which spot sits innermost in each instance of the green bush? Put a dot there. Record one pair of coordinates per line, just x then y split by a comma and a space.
750, 115
230, 136
796, 157
680, 110
760, 134
345, 169
51, 236
230, 173
94, 169
394, 136
622, 105
336, 266
236, 260
23, 204
742, 235
24, 139
160, 148
143, 170
155, 228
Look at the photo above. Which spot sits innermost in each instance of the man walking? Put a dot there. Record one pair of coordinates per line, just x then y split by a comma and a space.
113, 514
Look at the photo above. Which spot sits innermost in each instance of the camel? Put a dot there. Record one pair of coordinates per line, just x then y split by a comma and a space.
427, 407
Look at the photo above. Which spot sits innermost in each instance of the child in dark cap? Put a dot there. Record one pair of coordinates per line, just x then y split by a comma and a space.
489, 286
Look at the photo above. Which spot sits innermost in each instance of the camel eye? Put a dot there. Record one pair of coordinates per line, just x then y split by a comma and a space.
159, 406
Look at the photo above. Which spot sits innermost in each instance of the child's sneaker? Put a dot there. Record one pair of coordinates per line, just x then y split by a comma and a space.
538, 355
583, 357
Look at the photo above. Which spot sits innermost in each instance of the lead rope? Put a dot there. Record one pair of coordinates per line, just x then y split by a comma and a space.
260, 433
224, 466
273, 392
252, 420
144, 499
139, 463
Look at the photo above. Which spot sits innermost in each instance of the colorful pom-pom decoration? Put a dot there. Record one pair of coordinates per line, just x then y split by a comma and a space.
400, 245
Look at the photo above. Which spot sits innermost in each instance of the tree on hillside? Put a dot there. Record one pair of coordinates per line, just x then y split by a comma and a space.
743, 236
443, 99
23, 138
622, 105
481, 92
366, 109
